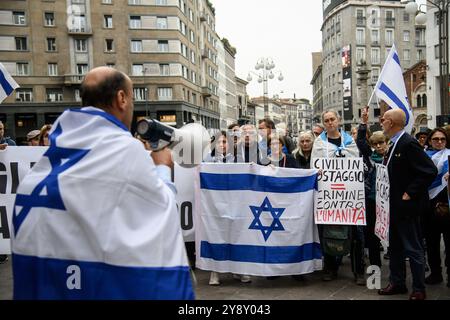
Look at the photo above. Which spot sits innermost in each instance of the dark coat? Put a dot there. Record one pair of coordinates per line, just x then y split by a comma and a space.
411, 171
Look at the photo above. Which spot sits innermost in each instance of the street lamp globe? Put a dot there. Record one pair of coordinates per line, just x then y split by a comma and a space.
412, 7
421, 18
249, 77
281, 78
271, 75
260, 80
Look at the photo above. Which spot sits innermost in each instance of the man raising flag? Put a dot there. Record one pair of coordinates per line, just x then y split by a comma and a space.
391, 88
7, 83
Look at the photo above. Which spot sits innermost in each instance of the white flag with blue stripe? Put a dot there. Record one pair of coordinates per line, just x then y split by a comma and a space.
93, 220
256, 220
391, 87
440, 159
7, 83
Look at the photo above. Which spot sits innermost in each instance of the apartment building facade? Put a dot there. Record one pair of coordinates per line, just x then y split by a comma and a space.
358, 35
167, 47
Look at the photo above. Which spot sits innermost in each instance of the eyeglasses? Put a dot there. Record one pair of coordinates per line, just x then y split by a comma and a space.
439, 139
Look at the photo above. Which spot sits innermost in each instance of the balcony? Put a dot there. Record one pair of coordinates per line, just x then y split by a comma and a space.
73, 79
80, 31
204, 53
375, 43
361, 21
390, 22
203, 17
206, 92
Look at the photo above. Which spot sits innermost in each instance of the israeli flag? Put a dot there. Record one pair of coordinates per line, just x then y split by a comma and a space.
391, 87
92, 219
440, 159
256, 220
7, 83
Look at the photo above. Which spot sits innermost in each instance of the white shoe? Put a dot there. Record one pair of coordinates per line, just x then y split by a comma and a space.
246, 279
214, 279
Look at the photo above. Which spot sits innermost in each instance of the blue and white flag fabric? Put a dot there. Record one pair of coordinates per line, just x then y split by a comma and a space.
440, 159
256, 220
7, 83
391, 87
92, 219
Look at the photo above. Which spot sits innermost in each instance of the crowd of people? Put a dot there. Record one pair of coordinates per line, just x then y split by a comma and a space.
418, 217
419, 211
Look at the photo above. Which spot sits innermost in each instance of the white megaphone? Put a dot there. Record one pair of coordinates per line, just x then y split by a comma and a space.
189, 145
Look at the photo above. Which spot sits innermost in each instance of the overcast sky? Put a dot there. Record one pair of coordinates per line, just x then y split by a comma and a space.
285, 30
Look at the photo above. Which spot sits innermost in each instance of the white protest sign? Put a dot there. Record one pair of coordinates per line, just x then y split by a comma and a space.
15, 162
382, 204
184, 180
340, 198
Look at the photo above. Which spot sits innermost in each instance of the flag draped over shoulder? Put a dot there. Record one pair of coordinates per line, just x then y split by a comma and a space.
440, 160
7, 83
391, 87
256, 220
92, 220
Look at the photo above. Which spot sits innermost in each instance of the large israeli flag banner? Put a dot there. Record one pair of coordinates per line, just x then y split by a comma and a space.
256, 220
92, 219
391, 87
440, 160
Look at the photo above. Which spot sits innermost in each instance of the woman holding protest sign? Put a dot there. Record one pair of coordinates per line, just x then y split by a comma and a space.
336, 240
437, 223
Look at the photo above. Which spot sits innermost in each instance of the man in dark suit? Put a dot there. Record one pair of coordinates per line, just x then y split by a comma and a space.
411, 172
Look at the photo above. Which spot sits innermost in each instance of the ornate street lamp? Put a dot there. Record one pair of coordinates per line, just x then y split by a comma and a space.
266, 67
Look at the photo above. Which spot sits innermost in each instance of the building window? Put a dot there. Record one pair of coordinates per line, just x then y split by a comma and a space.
21, 43
81, 45
22, 69
389, 37
436, 52
49, 19
77, 95
109, 43
390, 20
193, 56
163, 46
24, 95
111, 65
183, 27
420, 55
136, 46
51, 44
108, 22
139, 94
405, 17
138, 70
406, 54
161, 2
164, 94
192, 35
360, 54
375, 35
375, 56
82, 68
107, 1
420, 37
52, 69
406, 36
19, 18
360, 36
164, 70
135, 2
161, 22
135, 22
54, 95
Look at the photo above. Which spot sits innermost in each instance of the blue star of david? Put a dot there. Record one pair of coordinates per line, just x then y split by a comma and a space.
52, 199
276, 215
